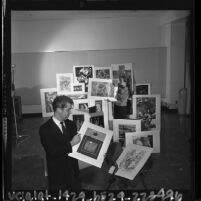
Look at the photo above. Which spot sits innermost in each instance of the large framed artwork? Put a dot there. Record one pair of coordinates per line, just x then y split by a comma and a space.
131, 161
79, 117
82, 74
94, 144
145, 138
64, 83
103, 72
122, 126
47, 96
82, 104
122, 69
143, 89
147, 108
101, 106
101, 89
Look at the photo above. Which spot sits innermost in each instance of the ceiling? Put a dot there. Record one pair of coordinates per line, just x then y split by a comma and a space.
77, 14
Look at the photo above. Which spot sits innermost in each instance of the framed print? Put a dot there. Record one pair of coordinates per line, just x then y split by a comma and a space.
47, 96
82, 74
131, 161
122, 69
122, 126
147, 108
78, 117
103, 72
78, 88
143, 89
64, 83
101, 89
145, 138
82, 104
101, 106
93, 146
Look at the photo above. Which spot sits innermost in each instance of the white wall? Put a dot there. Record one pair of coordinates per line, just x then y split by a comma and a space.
85, 34
150, 43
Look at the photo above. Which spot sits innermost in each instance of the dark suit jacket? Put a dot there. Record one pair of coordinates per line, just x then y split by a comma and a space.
63, 171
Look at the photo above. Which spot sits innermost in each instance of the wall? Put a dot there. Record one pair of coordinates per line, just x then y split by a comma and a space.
40, 68
85, 34
40, 49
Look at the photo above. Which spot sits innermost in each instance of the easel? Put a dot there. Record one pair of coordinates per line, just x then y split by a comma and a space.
18, 138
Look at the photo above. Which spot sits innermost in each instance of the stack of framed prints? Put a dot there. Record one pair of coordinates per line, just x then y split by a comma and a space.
93, 146
131, 160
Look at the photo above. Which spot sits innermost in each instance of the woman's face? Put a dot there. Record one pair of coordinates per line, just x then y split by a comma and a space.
122, 82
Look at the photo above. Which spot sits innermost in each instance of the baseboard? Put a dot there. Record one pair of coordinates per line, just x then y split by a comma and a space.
171, 106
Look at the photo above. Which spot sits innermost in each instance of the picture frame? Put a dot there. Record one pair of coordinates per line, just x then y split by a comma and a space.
101, 89
131, 161
94, 144
78, 88
147, 108
145, 138
103, 72
79, 117
47, 96
122, 126
124, 68
101, 106
82, 73
82, 104
143, 89
64, 83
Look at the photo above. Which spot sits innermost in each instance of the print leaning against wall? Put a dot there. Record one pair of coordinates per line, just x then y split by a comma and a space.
102, 89
82, 74
47, 96
148, 109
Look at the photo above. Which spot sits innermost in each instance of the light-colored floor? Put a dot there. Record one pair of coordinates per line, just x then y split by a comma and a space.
169, 169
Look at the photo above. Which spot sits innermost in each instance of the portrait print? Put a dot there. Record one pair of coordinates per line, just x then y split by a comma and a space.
82, 74
64, 82
125, 69
47, 97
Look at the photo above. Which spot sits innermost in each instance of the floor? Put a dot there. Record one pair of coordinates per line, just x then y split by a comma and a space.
169, 169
